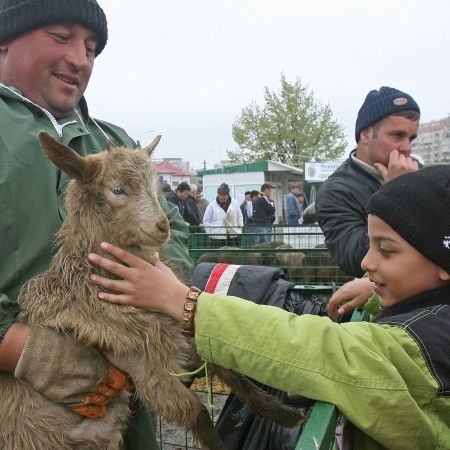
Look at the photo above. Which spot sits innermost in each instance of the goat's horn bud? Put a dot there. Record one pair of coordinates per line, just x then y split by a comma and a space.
149, 149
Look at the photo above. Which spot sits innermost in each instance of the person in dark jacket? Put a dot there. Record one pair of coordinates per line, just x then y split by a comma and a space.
247, 208
263, 214
294, 208
178, 198
387, 123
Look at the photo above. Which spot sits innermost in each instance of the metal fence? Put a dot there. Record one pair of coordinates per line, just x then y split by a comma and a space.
298, 250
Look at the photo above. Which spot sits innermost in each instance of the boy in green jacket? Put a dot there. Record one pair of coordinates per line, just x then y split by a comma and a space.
390, 378
47, 54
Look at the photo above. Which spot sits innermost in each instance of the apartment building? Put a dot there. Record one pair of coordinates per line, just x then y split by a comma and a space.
433, 142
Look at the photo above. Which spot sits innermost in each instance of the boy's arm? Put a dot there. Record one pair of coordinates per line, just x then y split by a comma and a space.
367, 370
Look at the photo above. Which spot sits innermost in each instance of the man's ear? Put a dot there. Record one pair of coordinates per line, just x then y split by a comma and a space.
365, 135
443, 275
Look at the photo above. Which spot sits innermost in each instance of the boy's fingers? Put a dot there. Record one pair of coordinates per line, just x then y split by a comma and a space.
122, 255
120, 286
111, 266
117, 299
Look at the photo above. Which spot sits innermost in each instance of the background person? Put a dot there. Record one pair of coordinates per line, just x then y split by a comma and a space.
387, 123
47, 54
179, 197
293, 207
389, 378
200, 202
223, 219
263, 214
247, 208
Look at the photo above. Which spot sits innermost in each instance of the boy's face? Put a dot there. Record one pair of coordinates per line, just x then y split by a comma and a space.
398, 270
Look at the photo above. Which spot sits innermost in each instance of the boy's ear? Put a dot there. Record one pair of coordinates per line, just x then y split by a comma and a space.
443, 275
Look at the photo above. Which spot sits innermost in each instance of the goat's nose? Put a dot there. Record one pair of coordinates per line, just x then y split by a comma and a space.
163, 225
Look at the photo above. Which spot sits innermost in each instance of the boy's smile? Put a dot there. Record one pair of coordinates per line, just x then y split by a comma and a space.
398, 270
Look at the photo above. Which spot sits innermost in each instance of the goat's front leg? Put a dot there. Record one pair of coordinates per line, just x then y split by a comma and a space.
165, 394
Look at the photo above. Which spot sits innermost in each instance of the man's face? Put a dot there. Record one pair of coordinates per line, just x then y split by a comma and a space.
182, 195
398, 270
51, 66
392, 133
222, 198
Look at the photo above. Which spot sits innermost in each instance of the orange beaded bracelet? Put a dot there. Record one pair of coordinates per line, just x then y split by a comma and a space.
187, 319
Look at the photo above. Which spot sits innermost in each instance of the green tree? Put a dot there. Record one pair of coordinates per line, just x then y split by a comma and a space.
292, 127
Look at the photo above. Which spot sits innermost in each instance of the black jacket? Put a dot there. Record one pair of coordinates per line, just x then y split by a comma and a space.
263, 211
341, 211
171, 197
191, 215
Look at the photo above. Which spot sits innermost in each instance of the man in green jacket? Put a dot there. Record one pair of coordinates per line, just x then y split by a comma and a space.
47, 53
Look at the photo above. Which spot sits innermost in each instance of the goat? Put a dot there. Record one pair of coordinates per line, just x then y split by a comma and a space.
113, 197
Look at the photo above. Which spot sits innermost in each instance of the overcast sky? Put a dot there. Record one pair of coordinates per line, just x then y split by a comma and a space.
185, 69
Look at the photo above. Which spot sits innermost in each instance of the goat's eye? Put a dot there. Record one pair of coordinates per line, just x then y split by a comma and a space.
118, 190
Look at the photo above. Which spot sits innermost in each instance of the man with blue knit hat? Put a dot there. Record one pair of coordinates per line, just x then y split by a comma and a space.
47, 54
387, 123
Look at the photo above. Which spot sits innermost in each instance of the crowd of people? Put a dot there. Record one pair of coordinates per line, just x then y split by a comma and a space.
223, 219
385, 221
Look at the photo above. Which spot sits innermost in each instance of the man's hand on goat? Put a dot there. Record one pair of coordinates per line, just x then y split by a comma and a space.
154, 288
348, 297
67, 372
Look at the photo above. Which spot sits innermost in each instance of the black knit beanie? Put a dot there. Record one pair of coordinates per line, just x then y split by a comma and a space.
18, 17
417, 207
380, 104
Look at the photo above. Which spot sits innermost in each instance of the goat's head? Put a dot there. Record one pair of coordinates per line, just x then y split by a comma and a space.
114, 192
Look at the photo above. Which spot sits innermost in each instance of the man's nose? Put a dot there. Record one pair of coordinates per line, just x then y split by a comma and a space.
76, 55
405, 146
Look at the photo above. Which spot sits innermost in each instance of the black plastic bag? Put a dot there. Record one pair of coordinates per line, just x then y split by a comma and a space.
238, 428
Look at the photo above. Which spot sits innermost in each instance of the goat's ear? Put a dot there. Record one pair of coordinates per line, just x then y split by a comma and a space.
149, 149
64, 157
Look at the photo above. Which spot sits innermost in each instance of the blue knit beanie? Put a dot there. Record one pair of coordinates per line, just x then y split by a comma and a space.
380, 104
18, 17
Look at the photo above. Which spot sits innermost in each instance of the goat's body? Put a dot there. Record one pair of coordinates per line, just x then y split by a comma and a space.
147, 346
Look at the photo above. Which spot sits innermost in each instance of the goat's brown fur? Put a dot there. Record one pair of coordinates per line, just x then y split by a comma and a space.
145, 345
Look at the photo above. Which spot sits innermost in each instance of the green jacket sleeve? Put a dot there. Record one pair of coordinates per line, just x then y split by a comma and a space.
8, 312
176, 250
375, 374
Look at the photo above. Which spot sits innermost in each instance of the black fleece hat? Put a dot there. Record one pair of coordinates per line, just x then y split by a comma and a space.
380, 104
18, 17
417, 207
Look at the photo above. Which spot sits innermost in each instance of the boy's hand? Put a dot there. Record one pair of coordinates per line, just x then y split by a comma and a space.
69, 373
348, 297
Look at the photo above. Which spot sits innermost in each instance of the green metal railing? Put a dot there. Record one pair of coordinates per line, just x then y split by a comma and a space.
298, 250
